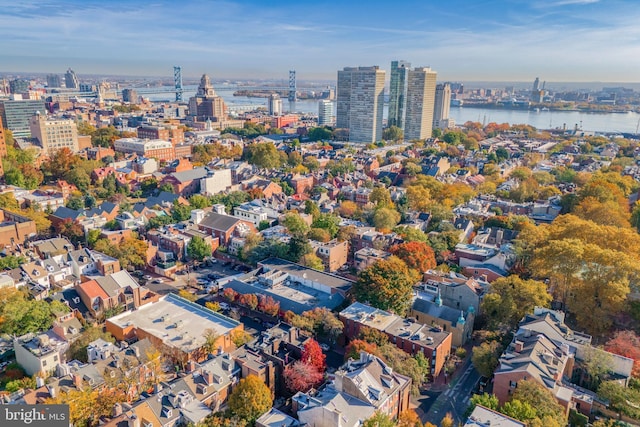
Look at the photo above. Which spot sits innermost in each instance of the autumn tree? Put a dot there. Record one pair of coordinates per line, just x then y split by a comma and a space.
78, 348
250, 399
210, 345
312, 355
268, 305
379, 419
320, 321
417, 255
301, 376
387, 285
485, 357
627, 344
590, 266
381, 197
511, 298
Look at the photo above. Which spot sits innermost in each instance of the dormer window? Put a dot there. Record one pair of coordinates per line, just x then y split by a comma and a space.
35, 272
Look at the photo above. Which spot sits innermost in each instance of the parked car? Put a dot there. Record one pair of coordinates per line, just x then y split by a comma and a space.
157, 280
224, 306
146, 277
324, 347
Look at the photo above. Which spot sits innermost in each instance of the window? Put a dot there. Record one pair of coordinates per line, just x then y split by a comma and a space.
513, 384
55, 358
44, 363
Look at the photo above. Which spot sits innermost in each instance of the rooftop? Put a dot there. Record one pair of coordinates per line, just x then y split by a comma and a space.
485, 417
176, 321
307, 274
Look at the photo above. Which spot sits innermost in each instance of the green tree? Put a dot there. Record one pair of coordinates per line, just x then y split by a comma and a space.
198, 248
547, 408
180, 212
519, 410
381, 197
393, 133
294, 223
263, 155
485, 357
78, 348
385, 218
311, 208
198, 201
250, 399
387, 285
328, 222
312, 261
319, 134
487, 400
379, 419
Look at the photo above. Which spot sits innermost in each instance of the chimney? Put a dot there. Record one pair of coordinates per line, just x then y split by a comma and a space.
77, 381
208, 377
134, 421
52, 391
117, 410
499, 237
39, 382
519, 346
191, 366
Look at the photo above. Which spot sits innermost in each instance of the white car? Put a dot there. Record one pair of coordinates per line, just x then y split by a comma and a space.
146, 277
324, 347
224, 306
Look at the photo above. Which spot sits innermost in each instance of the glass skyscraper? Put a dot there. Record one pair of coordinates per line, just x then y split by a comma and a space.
398, 93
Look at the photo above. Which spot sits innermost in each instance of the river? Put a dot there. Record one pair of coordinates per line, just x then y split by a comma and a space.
598, 122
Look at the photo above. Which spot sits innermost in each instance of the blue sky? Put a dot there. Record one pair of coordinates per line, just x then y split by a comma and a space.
516, 40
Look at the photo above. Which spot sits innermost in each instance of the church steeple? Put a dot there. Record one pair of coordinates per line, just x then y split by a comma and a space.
438, 299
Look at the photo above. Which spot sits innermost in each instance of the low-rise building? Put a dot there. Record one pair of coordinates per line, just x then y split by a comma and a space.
406, 334
366, 257
156, 148
40, 354
360, 389
333, 254
176, 325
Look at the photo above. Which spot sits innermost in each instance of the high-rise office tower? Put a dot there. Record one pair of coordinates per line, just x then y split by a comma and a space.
360, 102
130, 96
16, 113
19, 86
421, 93
442, 104
275, 104
53, 80
71, 80
398, 93
536, 84
325, 112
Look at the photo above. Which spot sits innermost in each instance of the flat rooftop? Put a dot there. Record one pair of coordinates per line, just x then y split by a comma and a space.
307, 274
176, 321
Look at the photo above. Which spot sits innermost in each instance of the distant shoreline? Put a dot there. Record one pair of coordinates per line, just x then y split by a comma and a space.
492, 106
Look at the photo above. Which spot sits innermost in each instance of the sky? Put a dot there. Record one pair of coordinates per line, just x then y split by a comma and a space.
490, 40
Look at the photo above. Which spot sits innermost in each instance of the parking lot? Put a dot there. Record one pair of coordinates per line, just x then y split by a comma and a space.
197, 276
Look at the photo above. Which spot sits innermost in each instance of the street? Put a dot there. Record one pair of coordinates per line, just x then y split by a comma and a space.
454, 399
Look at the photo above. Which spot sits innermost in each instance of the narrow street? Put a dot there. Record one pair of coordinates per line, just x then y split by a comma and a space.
454, 398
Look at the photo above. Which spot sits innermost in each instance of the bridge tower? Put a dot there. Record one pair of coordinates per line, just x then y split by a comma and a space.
292, 86
177, 80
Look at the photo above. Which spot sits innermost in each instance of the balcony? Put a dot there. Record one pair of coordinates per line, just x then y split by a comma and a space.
166, 264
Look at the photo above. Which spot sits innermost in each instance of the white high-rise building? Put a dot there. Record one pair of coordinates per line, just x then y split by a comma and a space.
325, 113
360, 101
71, 80
421, 93
275, 105
442, 105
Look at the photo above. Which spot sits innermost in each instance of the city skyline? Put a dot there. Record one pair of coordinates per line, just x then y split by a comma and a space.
562, 40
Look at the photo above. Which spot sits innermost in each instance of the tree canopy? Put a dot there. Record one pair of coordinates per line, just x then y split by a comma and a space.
387, 285
250, 399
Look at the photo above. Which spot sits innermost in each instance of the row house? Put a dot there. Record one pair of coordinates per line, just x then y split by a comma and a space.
406, 334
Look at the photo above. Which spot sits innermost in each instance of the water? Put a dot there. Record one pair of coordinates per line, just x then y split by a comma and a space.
598, 122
